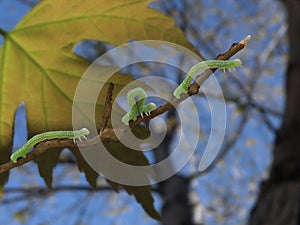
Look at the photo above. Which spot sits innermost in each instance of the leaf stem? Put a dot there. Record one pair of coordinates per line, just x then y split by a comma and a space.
3, 32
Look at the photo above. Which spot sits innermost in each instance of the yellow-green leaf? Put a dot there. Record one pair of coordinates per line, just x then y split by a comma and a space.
38, 66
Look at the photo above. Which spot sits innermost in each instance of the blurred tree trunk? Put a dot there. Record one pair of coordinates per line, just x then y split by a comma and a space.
176, 207
278, 202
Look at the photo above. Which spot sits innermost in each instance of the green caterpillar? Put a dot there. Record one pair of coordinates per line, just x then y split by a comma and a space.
21, 152
210, 64
136, 99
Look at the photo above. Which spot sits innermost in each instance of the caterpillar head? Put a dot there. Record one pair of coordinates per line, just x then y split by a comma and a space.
85, 131
179, 90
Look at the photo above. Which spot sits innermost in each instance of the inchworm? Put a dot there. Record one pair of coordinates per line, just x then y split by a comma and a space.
136, 99
209, 64
21, 152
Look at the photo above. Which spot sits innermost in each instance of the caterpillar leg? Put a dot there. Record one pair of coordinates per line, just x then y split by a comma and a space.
147, 109
80, 138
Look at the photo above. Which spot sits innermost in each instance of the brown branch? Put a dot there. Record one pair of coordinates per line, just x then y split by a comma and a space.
194, 88
108, 133
107, 108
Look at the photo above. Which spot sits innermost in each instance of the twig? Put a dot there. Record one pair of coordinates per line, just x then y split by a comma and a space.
262, 110
42, 192
109, 134
194, 88
107, 108
235, 48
